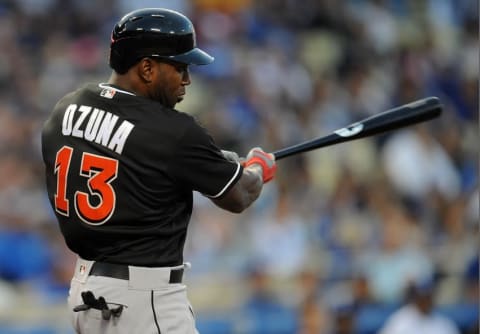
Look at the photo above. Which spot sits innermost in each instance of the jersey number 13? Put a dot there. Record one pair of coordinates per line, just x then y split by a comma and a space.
99, 172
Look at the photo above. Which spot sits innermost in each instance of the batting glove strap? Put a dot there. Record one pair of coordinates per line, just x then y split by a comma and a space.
266, 160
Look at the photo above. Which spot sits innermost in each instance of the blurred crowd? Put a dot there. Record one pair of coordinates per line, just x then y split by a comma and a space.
341, 238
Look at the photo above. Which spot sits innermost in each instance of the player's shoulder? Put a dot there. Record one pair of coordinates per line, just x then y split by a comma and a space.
190, 122
156, 114
184, 116
73, 95
139, 109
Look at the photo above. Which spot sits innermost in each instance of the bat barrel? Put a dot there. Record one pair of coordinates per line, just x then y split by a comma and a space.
396, 118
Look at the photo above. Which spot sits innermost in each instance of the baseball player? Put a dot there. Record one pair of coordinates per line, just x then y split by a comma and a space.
121, 165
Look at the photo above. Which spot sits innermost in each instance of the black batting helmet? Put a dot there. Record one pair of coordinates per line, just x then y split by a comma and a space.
154, 32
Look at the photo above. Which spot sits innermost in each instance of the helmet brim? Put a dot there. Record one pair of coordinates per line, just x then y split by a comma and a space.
195, 56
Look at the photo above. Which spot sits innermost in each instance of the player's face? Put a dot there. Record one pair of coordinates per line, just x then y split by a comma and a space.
171, 79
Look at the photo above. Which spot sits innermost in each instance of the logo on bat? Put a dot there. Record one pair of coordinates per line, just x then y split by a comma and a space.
350, 130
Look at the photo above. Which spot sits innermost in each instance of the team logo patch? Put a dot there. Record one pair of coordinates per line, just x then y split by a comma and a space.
108, 93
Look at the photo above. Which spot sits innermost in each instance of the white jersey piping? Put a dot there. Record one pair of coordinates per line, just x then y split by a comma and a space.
228, 183
103, 85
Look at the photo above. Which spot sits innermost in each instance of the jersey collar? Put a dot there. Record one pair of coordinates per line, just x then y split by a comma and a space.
105, 85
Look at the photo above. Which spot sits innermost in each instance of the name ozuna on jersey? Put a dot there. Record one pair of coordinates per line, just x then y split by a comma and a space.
96, 125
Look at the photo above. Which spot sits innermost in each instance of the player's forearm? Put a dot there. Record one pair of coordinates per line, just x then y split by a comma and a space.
245, 191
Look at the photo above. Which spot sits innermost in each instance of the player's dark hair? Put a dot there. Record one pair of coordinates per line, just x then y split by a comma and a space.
119, 62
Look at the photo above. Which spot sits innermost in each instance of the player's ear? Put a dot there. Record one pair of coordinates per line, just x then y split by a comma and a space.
146, 68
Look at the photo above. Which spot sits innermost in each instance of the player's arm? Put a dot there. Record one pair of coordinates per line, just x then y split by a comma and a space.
259, 168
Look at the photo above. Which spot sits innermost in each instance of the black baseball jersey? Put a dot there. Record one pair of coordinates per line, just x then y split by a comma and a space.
121, 170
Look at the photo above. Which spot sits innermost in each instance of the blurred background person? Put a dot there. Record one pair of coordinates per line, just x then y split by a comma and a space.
417, 315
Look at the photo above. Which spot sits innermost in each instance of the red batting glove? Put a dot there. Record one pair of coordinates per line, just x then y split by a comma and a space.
266, 160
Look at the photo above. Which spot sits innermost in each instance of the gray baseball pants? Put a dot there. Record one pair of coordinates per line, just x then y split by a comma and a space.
150, 304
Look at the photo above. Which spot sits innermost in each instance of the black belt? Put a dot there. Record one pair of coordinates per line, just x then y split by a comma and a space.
120, 271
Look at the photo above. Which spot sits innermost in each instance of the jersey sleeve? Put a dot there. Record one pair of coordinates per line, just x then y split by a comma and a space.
199, 164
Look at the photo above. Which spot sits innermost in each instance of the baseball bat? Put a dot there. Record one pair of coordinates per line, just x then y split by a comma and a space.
408, 114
